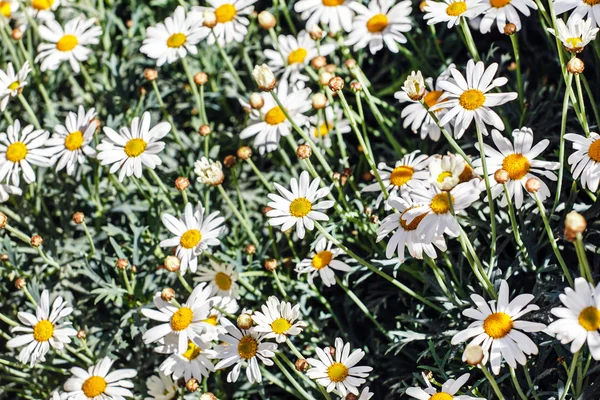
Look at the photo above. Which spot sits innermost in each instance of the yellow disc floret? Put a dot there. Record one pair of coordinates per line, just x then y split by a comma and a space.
497, 325
274, 116
517, 166
93, 386
135, 147
280, 326
401, 175
589, 319
74, 141
222, 280
190, 239
43, 330
440, 204
181, 319
300, 207
594, 150
337, 372
67, 43
247, 347
192, 351
16, 152
456, 9
322, 259
225, 13
471, 99
297, 56
176, 40
377, 23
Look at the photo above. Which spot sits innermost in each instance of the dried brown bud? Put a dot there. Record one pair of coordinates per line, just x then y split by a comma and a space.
501, 176
355, 86
244, 321
78, 218
336, 176
368, 211
81, 334
271, 264
324, 78
20, 283
350, 63
208, 396
150, 74
244, 153
303, 151
172, 263
301, 365
336, 84
256, 101
351, 396
182, 183
575, 224
16, 34
510, 28
204, 130
167, 294
192, 384
318, 62
36, 241
374, 219
575, 66
319, 101
250, 249
229, 161
367, 176
266, 20
122, 263
533, 185
200, 78
4, 257
3, 220
473, 355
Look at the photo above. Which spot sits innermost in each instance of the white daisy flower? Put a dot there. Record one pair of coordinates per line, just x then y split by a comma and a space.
334, 14
405, 234
380, 23
520, 163
322, 261
194, 233
416, 115
226, 304
300, 206
231, 17
579, 320
278, 320
11, 83
97, 383
173, 39
68, 44
183, 323
436, 204
447, 392
129, 150
222, 277
448, 171
243, 346
503, 12
70, 144
7, 190
297, 54
585, 161
8, 8
270, 123
451, 11
21, 149
471, 98
497, 328
194, 362
322, 129
408, 174
582, 9
575, 34
43, 10
42, 330
341, 374
161, 387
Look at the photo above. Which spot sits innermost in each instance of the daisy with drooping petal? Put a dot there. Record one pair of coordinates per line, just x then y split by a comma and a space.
129, 150
68, 44
405, 234
270, 123
11, 83
323, 128
161, 387
322, 261
448, 171
416, 116
497, 328
585, 161
194, 362
21, 149
42, 330
583, 9
341, 374
180, 324
300, 206
194, 233
243, 346
575, 34
70, 144
231, 18
334, 14
381, 23
579, 320
520, 163
470, 99
173, 39
503, 12
451, 11
222, 277
447, 392
97, 383
278, 320
408, 174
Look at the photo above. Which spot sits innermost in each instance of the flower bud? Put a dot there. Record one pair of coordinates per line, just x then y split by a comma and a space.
336, 84
172, 263
36, 241
351, 396
4, 257
150, 74
192, 384
473, 355
244, 153
355, 86
204, 130
316, 33
3, 220
266, 20
330, 68
200, 78
122, 263
501, 176
414, 86
20, 283
303, 151
533, 185
209, 19
510, 29
264, 78
244, 321
318, 62
229, 161
256, 101
81, 334
208, 396
16, 34
271, 264
324, 78
167, 294
319, 101
350, 63
250, 249
330, 350
182, 183
575, 224
575, 66
78, 218
209, 172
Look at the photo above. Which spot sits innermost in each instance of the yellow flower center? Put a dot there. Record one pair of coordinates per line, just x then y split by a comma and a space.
594, 150
247, 347
337, 372
41, 5
225, 13
456, 9
472, 99
67, 43
589, 318
466, 174
14, 86
5, 9
190, 239
322, 130
16, 152
499, 3
377, 23
300, 207
440, 204
592, 2
297, 56
135, 147
223, 281
517, 166
274, 116
400, 175
192, 351
575, 42
181, 319
74, 141
212, 320
43, 330
322, 259
333, 3
176, 40
443, 176
497, 325
414, 224
441, 396
93, 386
280, 326
431, 98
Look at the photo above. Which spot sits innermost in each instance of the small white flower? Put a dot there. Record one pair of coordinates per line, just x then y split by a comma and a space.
447, 392
300, 206
451, 11
12, 83
322, 261
97, 383
209, 172
585, 161
161, 387
448, 171
68, 44
583, 9
42, 330
503, 12
194, 362
341, 374
414, 86
575, 34
334, 14
222, 277
8, 9
278, 320
231, 18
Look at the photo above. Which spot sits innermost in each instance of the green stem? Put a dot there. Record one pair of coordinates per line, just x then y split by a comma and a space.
260, 175
89, 238
229, 64
561, 149
199, 101
515, 44
583, 261
492, 381
489, 196
516, 382
184, 283
239, 216
570, 375
469, 39
29, 111
167, 115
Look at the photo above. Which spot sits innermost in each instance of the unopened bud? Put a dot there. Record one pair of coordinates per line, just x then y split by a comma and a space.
20, 283
319, 101
473, 355
209, 19
266, 20
36, 241
336, 84
250, 249
533, 185
264, 78
229, 161
355, 86
3, 220
256, 101
350, 63
200, 78
501, 176
122, 263
318, 62
316, 33
266, 209
303, 151
244, 321
330, 68
4, 257
78, 218
167, 294
244, 153
271, 264
16, 34
510, 28
351, 396
324, 78
208, 396
172, 263
150, 74
192, 384
374, 219
182, 183
575, 66
575, 224
81, 334
301, 365
204, 130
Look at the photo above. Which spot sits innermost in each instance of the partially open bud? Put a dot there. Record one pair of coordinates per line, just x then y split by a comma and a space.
271, 264
209, 172
150, 74
414, 86
172, 263
200, 78
208, 396
473, 355
266, 20
81, 334
303, 151
20, 283
36, 241
244, 321
182, 183
315, 32
336, 84
209, 19
256, 101
167, 294
244, 153
324, 78
78, 218
575, 224
122, 263
501, 176
319, 101
264, 78
575, 66
3, 220
533, 185
229, 161
16, 34
301, 365
250, 249
510, 28
192, 384
318, 62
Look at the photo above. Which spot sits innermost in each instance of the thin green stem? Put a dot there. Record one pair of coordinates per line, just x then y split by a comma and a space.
583, 261
570, 375
514, 39
259, 174
29, 111
561, 149
89, 238
167, 115
489, 196
184, 283
229, 64
516, 382
492, 381
197, 98
469, 39
239, 216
